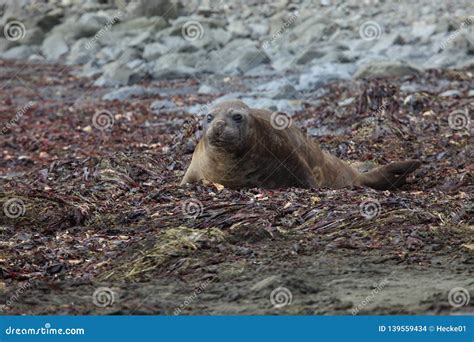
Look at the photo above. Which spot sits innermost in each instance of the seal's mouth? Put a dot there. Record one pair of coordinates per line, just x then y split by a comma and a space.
220, 141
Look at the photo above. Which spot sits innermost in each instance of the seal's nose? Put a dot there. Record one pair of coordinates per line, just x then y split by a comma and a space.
219, 127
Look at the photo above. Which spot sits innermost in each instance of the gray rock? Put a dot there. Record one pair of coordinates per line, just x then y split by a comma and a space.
115, 73
464, 41
19, 52
139, 40
308, 31
346, 102
125, 32
266, 283
214, 39
54, 46
217, 60
308, 55
109, 53
238, 28
471, 93
33, 36
154, 50
125, 93
178, 44
247, 60
91, 69
423, 30
136, 64
81, 52
127, 55
172, 60
278, 89
323, 131
322, 74
94, 21
50, 19
172, 72
161, 105
386, 68
6, 44
338, 57
36, 58
142, 24
206, 89
165, 8
386, 42
258, 28
450, 93
72, 29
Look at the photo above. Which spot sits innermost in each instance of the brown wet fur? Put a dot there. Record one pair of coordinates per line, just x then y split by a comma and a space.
259, 155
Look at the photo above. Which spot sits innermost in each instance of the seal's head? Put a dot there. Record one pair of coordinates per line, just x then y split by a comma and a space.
228, 125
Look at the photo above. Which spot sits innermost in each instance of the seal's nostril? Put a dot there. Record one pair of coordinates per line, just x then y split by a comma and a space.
219, 126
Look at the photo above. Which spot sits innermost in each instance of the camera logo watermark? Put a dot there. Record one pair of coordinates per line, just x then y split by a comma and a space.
103, 120
370, 30
280, 121
370, 208
458, 297
103, 297
192, 208
14, 30
14, 208
192, 30
281, 297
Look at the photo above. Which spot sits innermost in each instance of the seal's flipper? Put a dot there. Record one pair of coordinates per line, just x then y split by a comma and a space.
389, 176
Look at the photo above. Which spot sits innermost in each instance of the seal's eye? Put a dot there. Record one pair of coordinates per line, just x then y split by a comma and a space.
237, 117
209, 117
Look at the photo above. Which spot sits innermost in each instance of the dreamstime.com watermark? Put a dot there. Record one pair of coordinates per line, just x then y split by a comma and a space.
124, 11
288, 22
192, 297
30, 283
378, 287
464, 25
46, 330
18, 115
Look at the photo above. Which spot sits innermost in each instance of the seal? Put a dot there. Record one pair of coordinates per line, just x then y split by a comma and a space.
244, 147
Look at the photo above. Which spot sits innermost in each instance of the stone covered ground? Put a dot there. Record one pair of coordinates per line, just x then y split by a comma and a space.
100, 109
101, 208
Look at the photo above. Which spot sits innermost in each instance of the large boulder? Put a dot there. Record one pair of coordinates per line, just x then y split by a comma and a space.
173, 72
386, 68
127, 31
19, 52
33, 36
115, 73
143, 8
125, 93
238, 56
54, 47
81, 52
74, 28
154, 50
